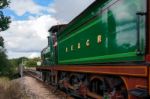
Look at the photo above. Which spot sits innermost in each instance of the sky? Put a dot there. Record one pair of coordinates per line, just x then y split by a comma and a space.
31, 20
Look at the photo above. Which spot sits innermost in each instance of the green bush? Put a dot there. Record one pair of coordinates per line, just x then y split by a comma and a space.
6, 68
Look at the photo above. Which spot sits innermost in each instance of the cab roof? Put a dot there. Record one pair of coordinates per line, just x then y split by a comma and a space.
57, 28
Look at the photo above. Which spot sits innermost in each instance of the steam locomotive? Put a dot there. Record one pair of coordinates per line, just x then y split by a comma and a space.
102, 53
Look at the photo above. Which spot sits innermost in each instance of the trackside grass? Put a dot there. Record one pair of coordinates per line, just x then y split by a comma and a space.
11, 89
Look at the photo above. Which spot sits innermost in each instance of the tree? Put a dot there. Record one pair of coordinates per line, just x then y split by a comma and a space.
5, 66
17, 61
1, 42
6, 69
4, 3
4, 20
32, 62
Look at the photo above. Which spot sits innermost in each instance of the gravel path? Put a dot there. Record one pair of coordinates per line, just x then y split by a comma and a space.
36, 90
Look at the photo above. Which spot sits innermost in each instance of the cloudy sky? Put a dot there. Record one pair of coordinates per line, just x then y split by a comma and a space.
31, 19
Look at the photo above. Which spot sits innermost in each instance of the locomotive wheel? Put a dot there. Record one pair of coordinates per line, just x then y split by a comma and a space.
74, 82
47, 77
96, 86
44, 76
63, 82
112, 89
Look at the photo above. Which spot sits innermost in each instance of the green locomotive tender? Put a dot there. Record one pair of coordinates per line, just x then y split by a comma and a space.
107, 31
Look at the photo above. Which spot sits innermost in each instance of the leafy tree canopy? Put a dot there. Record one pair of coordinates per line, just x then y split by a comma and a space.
4, 20
1, 41
4, 3
32, 62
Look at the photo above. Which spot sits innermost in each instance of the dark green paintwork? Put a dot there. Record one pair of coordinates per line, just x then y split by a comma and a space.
48, 54
117, 25
45, 55
52, 50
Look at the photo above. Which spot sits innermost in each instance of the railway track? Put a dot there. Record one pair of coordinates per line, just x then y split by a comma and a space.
52, 88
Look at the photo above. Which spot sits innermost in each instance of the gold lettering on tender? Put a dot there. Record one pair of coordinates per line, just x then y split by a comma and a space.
88, 43
66, 49
99, 39
71, 47
79, 45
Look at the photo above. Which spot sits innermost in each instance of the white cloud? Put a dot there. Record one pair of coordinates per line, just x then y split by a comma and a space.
23, 54
28, 36
66, 10
34, 55
20, 7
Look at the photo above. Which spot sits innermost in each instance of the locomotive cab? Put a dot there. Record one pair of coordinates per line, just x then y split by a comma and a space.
52, 42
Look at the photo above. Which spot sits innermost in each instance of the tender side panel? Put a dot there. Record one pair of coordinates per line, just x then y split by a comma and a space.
148, 26
148, 39
109, 36
148, 32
